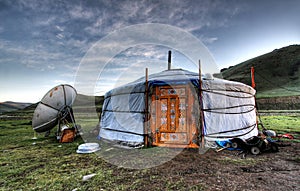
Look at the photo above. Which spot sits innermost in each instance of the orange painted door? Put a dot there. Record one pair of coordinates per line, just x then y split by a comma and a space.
171, 116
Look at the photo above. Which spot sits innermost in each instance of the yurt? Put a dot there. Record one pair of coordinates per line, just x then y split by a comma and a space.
178, 108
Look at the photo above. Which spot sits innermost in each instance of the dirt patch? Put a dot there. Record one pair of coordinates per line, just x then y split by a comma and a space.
227, 170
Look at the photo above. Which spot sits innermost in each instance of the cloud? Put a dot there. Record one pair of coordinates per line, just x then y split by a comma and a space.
37, 57
98, 17
55, 36
208, 40
85, 22
80, 12
146, 51
60, 36
62, 82
196, 17
60, 28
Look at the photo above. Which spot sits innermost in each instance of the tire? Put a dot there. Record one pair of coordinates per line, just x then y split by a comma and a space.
255, 150
234, 145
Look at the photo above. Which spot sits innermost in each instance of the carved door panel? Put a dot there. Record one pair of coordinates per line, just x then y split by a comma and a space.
171, 115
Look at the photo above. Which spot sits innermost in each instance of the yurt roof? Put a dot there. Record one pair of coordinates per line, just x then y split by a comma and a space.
181, 76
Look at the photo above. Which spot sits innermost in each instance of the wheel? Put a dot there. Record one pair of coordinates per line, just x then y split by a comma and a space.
234, 145
255, 150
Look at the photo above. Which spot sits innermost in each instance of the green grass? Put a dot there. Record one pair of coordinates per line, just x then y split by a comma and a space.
282, 124
239, 161
278, 92
45, 164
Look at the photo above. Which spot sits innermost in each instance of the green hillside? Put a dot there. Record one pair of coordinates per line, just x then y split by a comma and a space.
277, 73
12, 106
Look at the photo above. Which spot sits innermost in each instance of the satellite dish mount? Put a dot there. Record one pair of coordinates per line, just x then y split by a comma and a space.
65, 116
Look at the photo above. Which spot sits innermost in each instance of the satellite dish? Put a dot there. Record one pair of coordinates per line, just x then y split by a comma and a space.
54, 108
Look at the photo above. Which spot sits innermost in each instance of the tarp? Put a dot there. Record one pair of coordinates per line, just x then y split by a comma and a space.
228, 107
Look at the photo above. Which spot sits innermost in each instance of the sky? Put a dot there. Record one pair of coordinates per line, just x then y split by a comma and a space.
44, 43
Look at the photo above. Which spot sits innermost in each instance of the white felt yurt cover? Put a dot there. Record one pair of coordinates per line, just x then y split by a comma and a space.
228, 107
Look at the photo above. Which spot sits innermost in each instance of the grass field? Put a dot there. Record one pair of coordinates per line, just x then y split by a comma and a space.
45, 164
282, 124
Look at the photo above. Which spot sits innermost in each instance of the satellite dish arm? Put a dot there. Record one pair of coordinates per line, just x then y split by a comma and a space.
66, 116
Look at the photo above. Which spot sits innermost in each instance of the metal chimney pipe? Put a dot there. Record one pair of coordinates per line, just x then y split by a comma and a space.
169, 60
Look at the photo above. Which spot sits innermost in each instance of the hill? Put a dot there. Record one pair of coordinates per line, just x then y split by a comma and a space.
12, 106
277, 73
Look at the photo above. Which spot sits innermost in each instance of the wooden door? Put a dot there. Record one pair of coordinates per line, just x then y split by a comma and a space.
172, 123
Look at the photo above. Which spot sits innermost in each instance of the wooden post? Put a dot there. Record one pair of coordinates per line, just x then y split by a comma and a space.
169, 60
146, 109
201, 106
252, 78
254, 86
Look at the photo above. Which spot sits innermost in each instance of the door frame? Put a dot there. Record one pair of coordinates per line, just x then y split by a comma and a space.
186, 138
